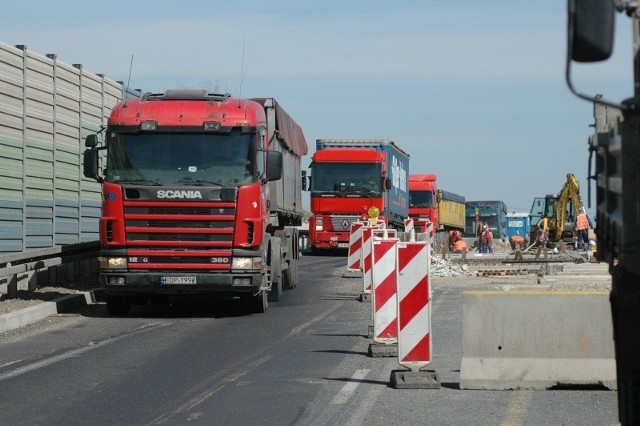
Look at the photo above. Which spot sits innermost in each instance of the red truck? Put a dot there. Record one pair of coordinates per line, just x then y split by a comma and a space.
444, 209
349, 177
201, 195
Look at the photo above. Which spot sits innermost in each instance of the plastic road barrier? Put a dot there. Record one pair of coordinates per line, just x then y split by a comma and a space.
414, 309
368, 233
367, 239
354, 256
384, 281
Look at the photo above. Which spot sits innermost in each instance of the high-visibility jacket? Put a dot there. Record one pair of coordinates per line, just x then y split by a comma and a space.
459, 246
582, 222
487, 237
517, 240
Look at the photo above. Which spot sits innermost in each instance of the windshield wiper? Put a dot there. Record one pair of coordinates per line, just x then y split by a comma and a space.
140, 182
198, 182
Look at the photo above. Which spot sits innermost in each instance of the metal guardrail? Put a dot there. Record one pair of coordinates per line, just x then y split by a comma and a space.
32, 261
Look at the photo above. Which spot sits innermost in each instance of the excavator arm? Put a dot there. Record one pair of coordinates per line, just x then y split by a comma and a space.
570, 193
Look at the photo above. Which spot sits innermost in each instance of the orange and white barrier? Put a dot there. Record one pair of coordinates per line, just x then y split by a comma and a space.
354, 256
368, 232
413, 305
367, 240
384, 282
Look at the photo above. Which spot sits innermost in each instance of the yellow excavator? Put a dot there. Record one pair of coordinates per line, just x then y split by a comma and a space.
559, 211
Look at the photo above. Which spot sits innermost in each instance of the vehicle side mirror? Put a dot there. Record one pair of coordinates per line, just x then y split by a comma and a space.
304, 180
386, 183
91, 141
591, 25
274, 165
90, 164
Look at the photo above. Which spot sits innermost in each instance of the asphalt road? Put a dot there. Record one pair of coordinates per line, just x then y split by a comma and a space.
303, 362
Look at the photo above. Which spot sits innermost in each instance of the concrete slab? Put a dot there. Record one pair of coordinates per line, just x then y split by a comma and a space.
381, 350
406, 379
42, 310
537, 340
352, 274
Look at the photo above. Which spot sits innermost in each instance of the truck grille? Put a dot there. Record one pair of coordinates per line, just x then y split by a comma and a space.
342, 223
189, 236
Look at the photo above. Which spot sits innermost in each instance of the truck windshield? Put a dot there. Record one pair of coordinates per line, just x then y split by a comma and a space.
347, 178
420, 199
181, 158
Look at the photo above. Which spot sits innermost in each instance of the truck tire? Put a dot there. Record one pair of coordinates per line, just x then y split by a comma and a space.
291, 274
118, 306
275, 270
260, 302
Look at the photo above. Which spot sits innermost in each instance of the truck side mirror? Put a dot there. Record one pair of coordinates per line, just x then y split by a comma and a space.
90, 164
91, 141
304, 180
386, 183
591, 24
274, 165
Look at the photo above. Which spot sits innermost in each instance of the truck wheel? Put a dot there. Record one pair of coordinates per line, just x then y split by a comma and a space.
291, 274
260, 302
275, 271
276, 292
118, 305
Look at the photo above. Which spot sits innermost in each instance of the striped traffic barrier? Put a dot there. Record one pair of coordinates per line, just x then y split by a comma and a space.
367, 239
384, 304
408, 225
415, 346
409, 229
354, 255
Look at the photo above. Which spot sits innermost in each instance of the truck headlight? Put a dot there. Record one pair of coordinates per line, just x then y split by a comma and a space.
112, 262
246, 263
319, 224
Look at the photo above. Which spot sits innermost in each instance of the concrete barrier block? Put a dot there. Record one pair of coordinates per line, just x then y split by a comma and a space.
536, 340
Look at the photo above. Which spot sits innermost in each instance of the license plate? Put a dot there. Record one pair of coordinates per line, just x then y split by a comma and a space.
343, 245
177, 280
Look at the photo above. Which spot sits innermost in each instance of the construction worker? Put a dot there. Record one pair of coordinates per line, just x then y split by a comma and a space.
517, 242
454, 236
582, 230
479, 231
487, 241
541, 239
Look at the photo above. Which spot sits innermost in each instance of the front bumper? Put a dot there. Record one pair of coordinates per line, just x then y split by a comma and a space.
187, 282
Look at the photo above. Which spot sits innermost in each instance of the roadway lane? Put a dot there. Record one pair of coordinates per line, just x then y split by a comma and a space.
303, 362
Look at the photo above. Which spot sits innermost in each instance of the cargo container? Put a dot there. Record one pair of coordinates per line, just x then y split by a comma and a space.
517, 222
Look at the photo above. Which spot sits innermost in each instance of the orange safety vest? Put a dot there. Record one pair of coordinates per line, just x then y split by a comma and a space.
517, 240
459, 246
582, 222
487, 237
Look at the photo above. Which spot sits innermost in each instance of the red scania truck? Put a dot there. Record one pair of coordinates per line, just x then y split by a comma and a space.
349, 177
201, 195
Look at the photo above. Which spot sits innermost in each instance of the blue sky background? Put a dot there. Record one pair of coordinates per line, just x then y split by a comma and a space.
473, 90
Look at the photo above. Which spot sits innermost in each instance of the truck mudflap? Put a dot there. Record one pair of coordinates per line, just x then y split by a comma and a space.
188, 282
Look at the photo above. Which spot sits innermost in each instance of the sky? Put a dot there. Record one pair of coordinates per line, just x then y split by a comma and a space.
473, 90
